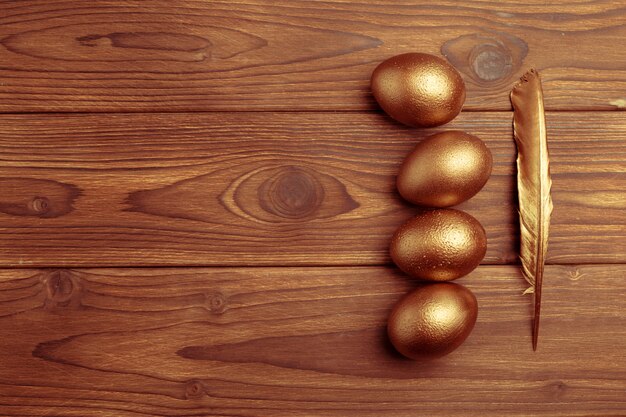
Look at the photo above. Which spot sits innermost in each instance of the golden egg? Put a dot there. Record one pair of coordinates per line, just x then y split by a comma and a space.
445, 169
418, 89
432, 320
439, 245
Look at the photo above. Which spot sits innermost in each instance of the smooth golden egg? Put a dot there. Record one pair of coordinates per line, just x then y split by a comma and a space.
418, 89
439, 245
445, 169
432, 320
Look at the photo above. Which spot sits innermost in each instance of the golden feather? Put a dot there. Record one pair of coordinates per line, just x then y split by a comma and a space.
533, 184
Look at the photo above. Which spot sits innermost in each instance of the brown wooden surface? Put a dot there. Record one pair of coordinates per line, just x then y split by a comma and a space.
301, 341
121, 55
243, 136
277, 189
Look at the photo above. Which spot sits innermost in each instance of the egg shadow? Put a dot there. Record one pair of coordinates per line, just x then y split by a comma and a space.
400, 367
388, 348
408, 285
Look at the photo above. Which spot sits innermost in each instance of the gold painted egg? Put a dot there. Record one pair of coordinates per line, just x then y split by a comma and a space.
432, 320
445, 169
439, 245
418, 89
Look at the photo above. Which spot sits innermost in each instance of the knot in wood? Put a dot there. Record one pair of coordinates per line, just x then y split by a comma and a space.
62, 289
39, 205
194, 389
291, 193
491, 62
31, 197
489, 58
217, 302
558, 389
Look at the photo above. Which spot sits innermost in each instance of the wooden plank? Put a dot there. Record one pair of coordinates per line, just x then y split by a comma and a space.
151, 55
276, 188
301, 342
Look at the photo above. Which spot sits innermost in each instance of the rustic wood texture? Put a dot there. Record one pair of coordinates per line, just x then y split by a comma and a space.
165, 137
301, 342
121, 55
277, 188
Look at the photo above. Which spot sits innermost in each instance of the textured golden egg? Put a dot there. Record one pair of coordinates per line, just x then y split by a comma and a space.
432, 320
418, 89
445, 169
439, 245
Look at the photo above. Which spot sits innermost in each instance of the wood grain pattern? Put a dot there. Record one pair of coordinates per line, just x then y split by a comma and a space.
151, 55
301, 342
276, 188
304, 195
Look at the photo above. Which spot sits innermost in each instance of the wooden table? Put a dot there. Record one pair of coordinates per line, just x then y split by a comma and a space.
196, 200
